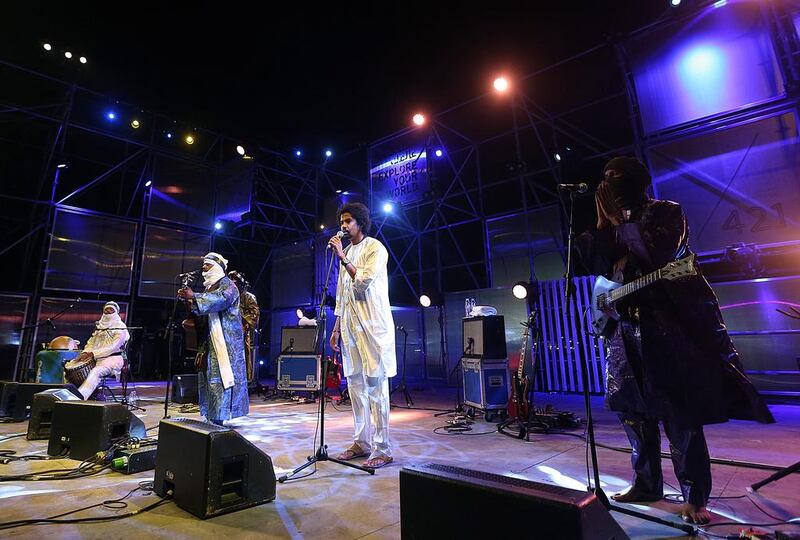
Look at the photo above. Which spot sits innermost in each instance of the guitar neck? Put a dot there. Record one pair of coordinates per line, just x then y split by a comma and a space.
635, 285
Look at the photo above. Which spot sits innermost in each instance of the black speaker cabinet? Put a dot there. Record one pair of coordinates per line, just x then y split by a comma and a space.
299, 339
474, 504
42, 411
16, 398
184, 388
80, 429
485, 337
210, 469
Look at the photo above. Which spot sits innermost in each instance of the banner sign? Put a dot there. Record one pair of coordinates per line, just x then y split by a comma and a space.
403, 178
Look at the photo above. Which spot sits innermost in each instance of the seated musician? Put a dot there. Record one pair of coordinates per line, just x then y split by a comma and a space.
105, 346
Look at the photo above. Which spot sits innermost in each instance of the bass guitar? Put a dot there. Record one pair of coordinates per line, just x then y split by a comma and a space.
606, 293
521, 385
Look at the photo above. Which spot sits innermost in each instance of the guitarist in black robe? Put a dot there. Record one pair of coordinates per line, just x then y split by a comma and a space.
670, 358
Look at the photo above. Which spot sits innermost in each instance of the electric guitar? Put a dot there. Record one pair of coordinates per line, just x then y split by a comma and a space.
606, 293
520, 385
333, 378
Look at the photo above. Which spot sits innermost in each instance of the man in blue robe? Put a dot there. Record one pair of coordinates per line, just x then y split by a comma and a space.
222, 381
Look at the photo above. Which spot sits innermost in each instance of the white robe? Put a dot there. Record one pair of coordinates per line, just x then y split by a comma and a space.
362, 304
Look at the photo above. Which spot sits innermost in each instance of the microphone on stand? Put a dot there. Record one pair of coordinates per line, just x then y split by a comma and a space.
582, 187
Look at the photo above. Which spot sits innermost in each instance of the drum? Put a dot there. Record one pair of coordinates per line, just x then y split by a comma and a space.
63, 343
50, 365
76, 371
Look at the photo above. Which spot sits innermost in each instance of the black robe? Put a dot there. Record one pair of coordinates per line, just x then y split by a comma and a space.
689, 370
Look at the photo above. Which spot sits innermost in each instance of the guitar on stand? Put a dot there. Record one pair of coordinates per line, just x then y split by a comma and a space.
519, 409
333, 376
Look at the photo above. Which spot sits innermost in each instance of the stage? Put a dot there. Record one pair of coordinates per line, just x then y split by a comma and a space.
339, 502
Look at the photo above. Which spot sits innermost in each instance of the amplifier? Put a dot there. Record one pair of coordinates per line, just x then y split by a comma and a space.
299, 339
484, 337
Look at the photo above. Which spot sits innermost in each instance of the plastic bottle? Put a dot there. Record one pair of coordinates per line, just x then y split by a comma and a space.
472, 305
133, 398
467, 307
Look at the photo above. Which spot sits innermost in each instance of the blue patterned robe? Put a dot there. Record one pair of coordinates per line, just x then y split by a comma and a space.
217, 403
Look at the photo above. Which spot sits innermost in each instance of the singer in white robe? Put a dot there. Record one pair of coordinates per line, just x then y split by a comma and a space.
106, 344
366, 326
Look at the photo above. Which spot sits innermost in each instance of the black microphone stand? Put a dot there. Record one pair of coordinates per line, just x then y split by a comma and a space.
322, 450
171, 334
570, 309
402, 386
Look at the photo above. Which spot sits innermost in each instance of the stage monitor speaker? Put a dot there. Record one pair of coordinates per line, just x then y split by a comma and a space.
184, 388
80, 429
299, 339
42, 411
474, 504
16, 398
223, 472
485, 337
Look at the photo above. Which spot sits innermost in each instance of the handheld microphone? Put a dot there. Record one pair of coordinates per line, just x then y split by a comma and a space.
583, 187
340, 235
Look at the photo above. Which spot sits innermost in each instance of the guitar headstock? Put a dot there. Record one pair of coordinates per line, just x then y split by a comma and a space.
681, 268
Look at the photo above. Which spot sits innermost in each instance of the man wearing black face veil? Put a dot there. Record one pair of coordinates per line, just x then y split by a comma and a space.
670, 358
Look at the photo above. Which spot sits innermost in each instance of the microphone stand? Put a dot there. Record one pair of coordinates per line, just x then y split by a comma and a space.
171, 334
322, 450
569, 309
48, 320
402, 386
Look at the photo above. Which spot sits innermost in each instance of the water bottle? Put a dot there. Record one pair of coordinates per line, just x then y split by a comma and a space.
133, 398
467, 307
472, 304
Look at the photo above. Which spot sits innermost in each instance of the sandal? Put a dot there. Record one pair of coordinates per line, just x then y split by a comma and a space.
353, 452
378, 461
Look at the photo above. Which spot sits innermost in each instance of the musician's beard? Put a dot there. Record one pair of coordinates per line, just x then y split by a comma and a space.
212, 276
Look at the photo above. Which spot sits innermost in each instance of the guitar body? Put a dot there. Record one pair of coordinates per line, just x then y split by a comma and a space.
518, 403
333, 378
604, 315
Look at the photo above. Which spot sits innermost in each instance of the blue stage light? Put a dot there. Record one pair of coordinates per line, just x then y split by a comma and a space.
169, 135
148, 183
387, 207
218, 226
328, 153
720, 3
438, 153
111, 115
675, 3
298, 153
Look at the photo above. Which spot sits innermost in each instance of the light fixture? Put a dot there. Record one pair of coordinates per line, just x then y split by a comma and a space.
675, 3
218, 226
240, 149
322, 227
430, 298
168, 135
419, 119
82, 60
338, 191
557, 156
525, 289
388, 207
61, 166
47, 47
425, 300
189, 139
68, 55
438, 153
328, 153
500, 84
135, 124
298, 153
111, 115
148, 183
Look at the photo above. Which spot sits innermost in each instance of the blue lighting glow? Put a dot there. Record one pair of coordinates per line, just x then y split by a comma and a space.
438, 153
111, 115
298, 153
328, 153
148, 183
387, 207
720, 3
218, 226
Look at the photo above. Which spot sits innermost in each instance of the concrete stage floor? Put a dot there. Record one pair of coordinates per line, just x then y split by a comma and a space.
339, 502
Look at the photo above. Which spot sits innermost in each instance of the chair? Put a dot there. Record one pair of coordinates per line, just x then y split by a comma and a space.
122, 376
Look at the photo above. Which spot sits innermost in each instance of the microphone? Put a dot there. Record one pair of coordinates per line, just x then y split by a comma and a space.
78, 299
188, 274
583, 187
340, 235
402, 329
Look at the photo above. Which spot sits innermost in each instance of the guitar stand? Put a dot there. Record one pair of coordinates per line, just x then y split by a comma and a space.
402, 386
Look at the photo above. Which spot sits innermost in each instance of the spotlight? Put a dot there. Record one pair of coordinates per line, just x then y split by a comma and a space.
61, 166
189, 139
47, 47
438, 153
68, 55
419, 119
675, 3
720, 3
148, 183
425, 300
338, 191
345, 193
260, 362
82, 59
501, 84
168, 135
135, 124
111, 115
328, 153
322, 227
298, 153
387, 207
218, 226
557, 156
430, 298
240, 150
520, 290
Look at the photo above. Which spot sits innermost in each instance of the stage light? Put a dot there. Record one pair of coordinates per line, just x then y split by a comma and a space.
135, 124
720, 3
111, 115
240, 150
675, 3
431, 298
520, 290
61, 166
425, 300
218, 226
82, 59
387, 207
438, 153
338, 191
189, 139
47, 47
260, 362
345, 193
557, 156
501, 84
168, 135
68, 55
148, 183
298, 153
419, 119
328, 153
322, 227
